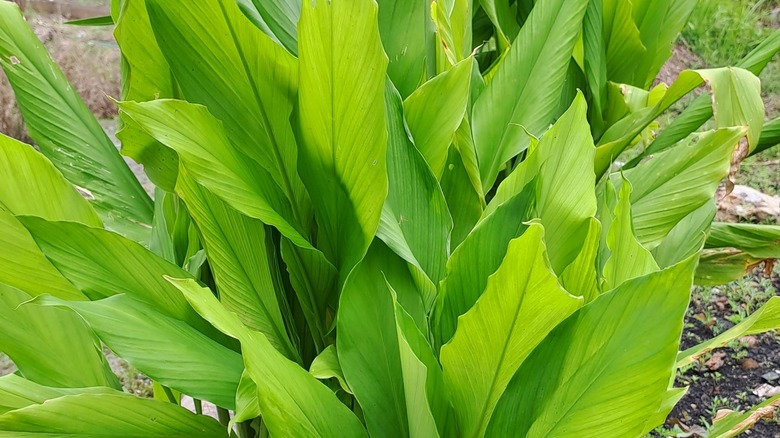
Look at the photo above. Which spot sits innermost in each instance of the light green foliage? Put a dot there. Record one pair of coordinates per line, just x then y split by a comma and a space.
372, 218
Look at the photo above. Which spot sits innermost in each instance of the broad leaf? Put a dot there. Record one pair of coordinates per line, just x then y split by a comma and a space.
203, 147
23, 265
565, 194
525, 91
700, 109
477, 258
761, 241
367, 342
627, 257
674, 183
51, 347
327, 366
435, 110
67, 132
281, 18
102, 264
407, 36
581, 277
17, 392
314, 280
736, 91
521, 303
427, 399
237, 248
341, 122
246, 81
165, 349
292, 401
145, 76
605, 369
96, 415
415, 220
32, 186
686, 238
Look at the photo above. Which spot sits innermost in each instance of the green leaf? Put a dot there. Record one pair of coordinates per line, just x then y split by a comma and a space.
770, 136
17, 392
314, 280
700, 109
102, 264
502, 14
525, 91
581, 277
659, 22
165, 349
341, 122
23, 266
327, 366
565, 194
737, 92
203, 147
465, 203
628, 258
762, 320
247, 407
33, 186
671, 398
105, 20
604, 370
622, 41
367, 343
521, 303
67, 132
435, 110
595, 64
237, 248
407, 36
292, 401
477, 258
51, 347
733, 250
247, 82
281, 17
761, 241
687, 237
674, 183
724, 265
96, 415
146, 76
734, 423
415, 220
427, 398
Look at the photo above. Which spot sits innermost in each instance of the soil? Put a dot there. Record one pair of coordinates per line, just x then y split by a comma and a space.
728, 378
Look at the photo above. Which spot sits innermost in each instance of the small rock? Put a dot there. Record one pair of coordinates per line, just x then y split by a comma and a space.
771, 376
766, 390
749, 341
749, 364
715, 361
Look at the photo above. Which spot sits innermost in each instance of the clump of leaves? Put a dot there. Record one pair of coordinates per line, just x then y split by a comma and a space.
371, 219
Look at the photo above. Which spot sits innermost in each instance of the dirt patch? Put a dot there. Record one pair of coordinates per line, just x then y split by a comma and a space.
735, 378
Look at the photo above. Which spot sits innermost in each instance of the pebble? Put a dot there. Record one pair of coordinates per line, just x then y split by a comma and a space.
771, 376
749, 364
